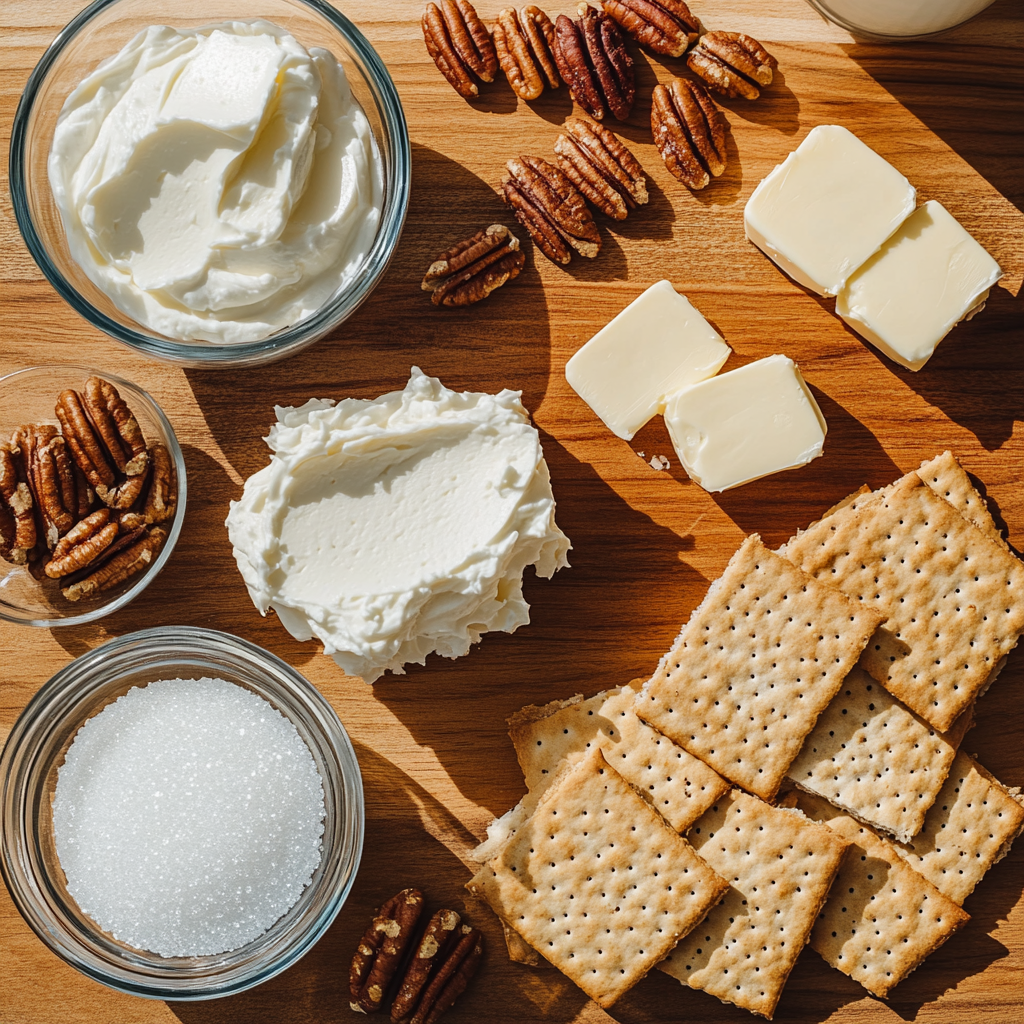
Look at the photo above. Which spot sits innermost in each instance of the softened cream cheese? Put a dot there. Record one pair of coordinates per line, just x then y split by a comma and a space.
219, 183
393, 528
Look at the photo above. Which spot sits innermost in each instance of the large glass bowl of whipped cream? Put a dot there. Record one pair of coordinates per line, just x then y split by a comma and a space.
211, 182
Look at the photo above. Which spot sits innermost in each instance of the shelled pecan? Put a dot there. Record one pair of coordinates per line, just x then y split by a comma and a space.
82, 544
459, 45
451, 978
162, 496
475, 267
663, 26
733, 64
17, 516
592, 58
106, 441
380, 950
601, 166
430, 953
551, 208
689, 132
125, 564
525, 43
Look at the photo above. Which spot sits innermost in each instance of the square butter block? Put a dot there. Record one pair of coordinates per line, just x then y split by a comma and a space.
658, 344
827, 208
746, 424
929, 275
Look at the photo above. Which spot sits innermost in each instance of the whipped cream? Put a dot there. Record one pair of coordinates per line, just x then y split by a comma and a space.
393, 528
219, 183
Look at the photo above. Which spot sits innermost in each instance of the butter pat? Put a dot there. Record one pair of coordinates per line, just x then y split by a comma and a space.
927, 278
827, 208
658, 344
746, 424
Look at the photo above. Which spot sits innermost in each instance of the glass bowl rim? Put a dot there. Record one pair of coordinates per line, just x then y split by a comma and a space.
31, 729
283, 342
167, 550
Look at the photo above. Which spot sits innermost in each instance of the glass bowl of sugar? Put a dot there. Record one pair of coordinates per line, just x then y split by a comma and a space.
182, 814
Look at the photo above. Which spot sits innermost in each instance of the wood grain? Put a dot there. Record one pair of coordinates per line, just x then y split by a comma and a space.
436, 760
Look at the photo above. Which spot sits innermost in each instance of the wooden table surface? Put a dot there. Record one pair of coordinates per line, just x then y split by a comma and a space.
436, 760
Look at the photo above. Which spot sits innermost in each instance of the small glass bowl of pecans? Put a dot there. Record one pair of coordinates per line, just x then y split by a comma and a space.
92, 494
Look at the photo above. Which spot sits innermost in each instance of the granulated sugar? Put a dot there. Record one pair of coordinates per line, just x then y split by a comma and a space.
188, 816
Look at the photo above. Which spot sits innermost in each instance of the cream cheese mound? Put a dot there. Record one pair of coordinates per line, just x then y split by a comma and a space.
394, 528
218, 183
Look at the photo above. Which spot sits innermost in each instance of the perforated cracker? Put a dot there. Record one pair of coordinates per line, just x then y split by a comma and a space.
881, 918
874, 758
949, 480
970, 827
953, 598
757, 663
674, 782
598, 882
780, 866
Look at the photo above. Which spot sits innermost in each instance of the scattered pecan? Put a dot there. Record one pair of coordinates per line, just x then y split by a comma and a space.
162, 496
471, 270
551, 208
125, 564
601, 167
688, 131
429, 954
592, 58
664, 26
525, 43
459, 45
82, 544
106, 442
19, 536
732, 63
380, 949
451, 979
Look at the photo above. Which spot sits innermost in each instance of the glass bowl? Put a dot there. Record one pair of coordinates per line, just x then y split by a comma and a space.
35, 750
29, 396
99, 32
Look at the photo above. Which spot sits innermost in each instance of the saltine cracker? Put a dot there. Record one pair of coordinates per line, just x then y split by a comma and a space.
598, 882
952, 597
674, 782
780, 866
874, 758
970, 827
881, 919
756, 664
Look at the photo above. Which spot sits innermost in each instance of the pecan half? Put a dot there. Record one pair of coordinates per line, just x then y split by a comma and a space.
732, 63
592, 58
471, 270
451, 979
53, 487
689, 132
429, 954
663, 26
551, 208
525, 43
380, 949
122, 566
601, 167
82, 544
162, 496
19, 535
106, 442
459, 45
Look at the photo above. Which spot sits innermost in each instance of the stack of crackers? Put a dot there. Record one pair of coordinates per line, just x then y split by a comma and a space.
790, 774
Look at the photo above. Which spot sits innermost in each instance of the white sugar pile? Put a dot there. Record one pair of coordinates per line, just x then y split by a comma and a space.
188, 816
